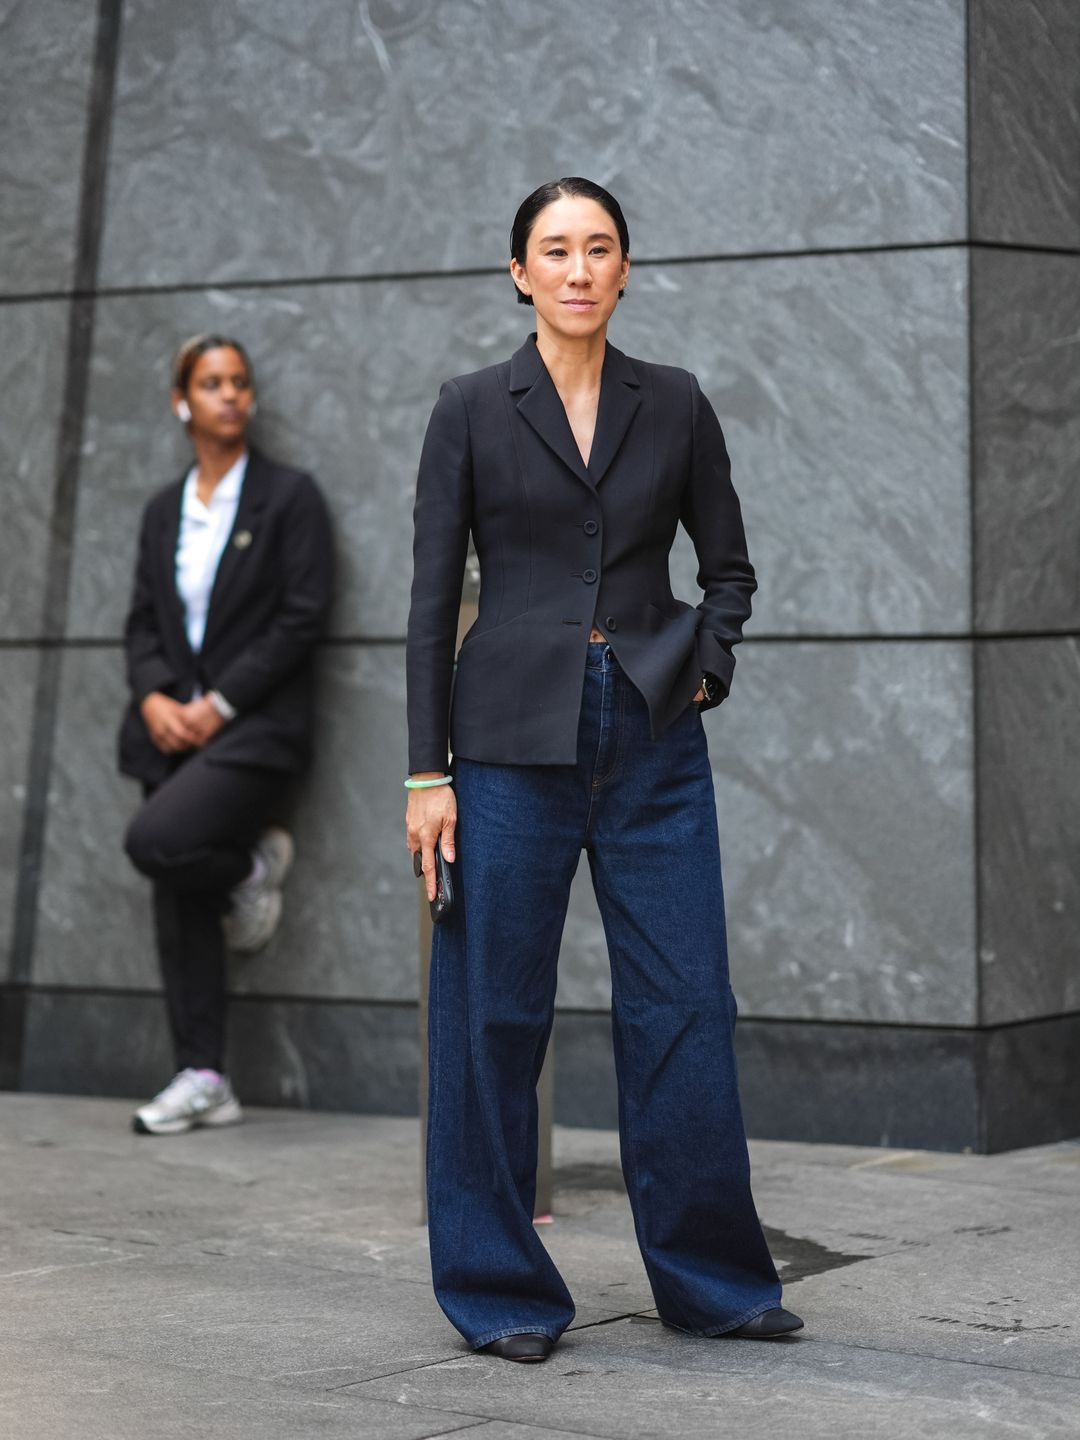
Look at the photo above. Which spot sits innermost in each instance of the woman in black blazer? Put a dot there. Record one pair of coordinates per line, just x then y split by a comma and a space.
574, 722
232, 589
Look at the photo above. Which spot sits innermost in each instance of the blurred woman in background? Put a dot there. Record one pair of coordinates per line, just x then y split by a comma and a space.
231, 595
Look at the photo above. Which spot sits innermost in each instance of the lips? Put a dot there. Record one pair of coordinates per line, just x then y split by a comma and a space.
579, 304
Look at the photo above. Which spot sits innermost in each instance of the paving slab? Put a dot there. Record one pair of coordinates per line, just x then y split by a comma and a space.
643, 1382
272, 1280
49, 1393
995, 1299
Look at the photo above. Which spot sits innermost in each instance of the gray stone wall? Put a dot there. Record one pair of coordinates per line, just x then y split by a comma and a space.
860, 226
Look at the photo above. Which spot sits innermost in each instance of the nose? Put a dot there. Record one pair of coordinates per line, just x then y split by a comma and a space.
580, 273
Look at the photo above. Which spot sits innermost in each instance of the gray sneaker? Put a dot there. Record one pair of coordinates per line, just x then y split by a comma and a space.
190, 1098
256, 905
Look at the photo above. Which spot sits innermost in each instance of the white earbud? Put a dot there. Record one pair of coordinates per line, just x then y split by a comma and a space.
183, 412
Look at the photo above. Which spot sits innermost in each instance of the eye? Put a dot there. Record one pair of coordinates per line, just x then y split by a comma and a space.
599, 250
557, 253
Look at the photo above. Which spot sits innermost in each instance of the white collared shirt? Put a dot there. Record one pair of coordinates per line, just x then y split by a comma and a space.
204, 533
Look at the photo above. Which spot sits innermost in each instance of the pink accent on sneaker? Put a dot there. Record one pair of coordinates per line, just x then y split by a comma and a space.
213, 1075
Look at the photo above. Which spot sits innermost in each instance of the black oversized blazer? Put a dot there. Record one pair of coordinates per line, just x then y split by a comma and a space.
268, 607
562, 545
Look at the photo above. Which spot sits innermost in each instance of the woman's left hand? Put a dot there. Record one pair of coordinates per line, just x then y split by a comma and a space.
699, 697
204, 719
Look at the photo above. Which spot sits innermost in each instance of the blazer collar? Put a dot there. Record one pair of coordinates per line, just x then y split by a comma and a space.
541, 406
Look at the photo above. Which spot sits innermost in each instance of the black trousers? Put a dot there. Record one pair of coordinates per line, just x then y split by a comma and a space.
193, 838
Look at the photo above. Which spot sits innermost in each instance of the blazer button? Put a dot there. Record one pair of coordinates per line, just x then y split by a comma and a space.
589, 576
590, 527
610, 623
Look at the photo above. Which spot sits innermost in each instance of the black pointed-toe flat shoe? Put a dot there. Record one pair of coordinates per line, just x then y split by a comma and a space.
769, 1325
525, 1349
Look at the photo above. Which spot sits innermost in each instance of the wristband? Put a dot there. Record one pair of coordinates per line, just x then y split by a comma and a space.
411, 784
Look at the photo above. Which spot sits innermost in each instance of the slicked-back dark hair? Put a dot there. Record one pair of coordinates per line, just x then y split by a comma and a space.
191, 350
545, 195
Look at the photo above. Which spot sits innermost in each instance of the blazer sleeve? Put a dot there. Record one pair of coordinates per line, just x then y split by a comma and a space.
441, 520
712, 517
307, 563
148, 669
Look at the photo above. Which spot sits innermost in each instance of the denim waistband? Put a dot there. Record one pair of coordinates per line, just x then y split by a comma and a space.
600, 656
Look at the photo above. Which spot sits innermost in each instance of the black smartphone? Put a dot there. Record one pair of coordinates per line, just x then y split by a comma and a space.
444, 886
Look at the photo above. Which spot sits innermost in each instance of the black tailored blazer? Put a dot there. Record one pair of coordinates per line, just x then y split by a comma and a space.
562, 545
268, 607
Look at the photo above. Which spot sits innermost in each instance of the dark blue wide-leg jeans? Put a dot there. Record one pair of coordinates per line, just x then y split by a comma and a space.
644, 812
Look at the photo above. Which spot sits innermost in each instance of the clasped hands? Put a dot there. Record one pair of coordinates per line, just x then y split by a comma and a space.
175, 727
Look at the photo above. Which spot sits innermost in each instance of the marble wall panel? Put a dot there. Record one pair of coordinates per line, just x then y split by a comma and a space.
841, 383
861, 1084
849, 436
1029, 820
844, 788
350, 927
1032, 1084
94, 925
585, 1088
350, 919
344, 1056
1024, 88
1026, 400
96, 1044
398, 137
46, 59
32, 338
18, 674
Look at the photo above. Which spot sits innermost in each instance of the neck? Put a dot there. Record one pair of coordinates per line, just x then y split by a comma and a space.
215, 458
574, 363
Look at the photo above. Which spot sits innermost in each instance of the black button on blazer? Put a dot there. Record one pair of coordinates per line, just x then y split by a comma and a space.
560, 543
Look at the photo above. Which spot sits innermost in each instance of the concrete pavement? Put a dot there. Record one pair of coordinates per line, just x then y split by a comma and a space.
271, 1281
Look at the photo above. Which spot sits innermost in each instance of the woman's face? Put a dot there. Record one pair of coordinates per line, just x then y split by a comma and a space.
574, 267
220, 395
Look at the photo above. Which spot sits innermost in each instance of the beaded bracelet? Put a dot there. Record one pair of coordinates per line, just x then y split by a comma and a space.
428, 784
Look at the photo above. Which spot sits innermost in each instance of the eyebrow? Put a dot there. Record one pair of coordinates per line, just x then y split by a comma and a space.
561, 239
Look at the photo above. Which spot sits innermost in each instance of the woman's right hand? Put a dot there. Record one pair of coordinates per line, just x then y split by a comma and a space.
431, 813
167, 721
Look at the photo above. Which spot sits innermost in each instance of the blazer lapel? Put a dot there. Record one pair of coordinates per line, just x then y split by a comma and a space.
169, 538
541, 407
234, 558
619, 400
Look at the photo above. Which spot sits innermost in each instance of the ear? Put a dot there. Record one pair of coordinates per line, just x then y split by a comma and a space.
519, 277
